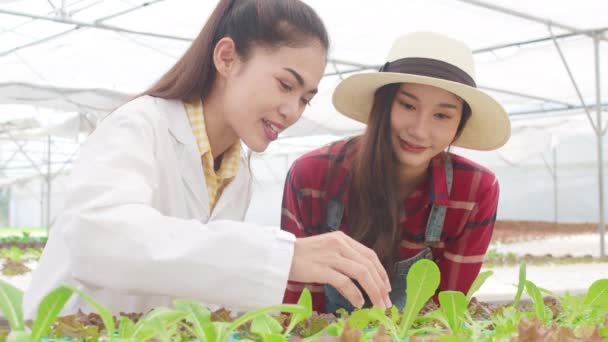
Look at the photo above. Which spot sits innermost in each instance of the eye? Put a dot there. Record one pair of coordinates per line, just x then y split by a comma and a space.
407, 105
442, 116
285, 86
305, 101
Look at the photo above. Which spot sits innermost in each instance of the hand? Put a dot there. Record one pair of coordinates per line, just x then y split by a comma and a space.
336, 259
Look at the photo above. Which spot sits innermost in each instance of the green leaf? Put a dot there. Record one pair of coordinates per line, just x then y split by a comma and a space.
160, 331
395, 314
126, 327
333, 330
292, 308
199, 316
48, 310
537, 299
166, 316
142, 331
11, 299
422, 282
452, 338
454, 305
597, 295
221, 330
479, 280
305, 301
521, 284
265, 325
18, 336
548, 292
380, 315
274, 338
104, 313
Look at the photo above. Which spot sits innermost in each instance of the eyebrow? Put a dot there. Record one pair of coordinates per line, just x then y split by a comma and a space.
444, 105
300, 79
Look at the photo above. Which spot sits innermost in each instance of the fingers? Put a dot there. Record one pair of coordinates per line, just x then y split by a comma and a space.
336, 259
363, 272
346, 287
370, 255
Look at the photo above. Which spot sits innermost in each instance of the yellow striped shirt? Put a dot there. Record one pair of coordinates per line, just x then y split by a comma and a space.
216, 181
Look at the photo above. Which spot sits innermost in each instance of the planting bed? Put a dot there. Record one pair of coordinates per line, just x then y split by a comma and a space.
454, 317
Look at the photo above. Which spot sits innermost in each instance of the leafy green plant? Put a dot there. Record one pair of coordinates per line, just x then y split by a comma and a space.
542, 313
597, 295
454, 306
422, 282
477, 283
458, 318
520, 285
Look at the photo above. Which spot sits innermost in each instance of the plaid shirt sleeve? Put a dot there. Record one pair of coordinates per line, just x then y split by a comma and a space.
463, 257
296, 217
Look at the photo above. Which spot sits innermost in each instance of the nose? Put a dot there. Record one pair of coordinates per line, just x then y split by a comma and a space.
290, 110
419, 127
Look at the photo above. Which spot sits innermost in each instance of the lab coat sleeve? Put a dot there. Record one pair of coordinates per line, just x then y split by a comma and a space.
117, 240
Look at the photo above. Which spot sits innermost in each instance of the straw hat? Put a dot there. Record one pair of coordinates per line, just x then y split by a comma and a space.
436, 60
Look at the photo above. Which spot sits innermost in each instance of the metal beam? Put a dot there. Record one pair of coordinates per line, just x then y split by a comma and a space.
20, 147
36, 42
529, 17
533, 41
578, 92
555, 110
99, 26
98, 21
348, 71
533, 97
352, 64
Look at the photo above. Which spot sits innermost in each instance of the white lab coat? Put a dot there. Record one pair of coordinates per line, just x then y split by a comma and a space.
137, 232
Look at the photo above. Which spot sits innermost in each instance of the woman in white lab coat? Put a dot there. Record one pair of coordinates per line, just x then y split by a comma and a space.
155, 203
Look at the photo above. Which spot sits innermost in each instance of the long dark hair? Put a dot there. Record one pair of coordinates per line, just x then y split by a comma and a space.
373, 205
267, 23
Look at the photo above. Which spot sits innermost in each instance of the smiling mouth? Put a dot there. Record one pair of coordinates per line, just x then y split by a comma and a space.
271, 126
409, 147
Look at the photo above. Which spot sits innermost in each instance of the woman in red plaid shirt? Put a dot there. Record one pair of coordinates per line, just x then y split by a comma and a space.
397, 189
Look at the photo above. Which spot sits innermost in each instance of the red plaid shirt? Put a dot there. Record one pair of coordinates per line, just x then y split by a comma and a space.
466, 232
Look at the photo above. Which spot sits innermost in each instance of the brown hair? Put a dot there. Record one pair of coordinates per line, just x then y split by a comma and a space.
373, 206
267, 23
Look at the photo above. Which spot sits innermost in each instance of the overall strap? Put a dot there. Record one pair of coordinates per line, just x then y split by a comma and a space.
434, 225
335, 207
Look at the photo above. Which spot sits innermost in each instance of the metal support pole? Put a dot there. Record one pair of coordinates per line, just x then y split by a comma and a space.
578, 92
555, 196
600, 148
553, 171
63, 12
49, 180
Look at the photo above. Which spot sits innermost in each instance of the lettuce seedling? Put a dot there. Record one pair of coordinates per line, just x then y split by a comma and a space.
454, 306
422, 282
521, 284
477, 283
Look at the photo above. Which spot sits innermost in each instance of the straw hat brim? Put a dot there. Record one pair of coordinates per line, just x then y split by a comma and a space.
488, 127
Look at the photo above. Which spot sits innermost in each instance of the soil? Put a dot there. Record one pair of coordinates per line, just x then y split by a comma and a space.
508, 231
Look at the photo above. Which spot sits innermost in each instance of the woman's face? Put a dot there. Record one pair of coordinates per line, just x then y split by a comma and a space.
424, 121
268, 92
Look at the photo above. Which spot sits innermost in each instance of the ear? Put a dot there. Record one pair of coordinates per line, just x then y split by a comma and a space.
225, 56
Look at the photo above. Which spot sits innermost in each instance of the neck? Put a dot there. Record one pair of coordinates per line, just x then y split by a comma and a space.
410, 178
220, 134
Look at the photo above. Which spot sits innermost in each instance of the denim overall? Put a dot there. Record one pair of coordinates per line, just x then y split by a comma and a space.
334, 300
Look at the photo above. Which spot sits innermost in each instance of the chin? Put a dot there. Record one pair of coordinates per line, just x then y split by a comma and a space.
257, 146
411, 161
